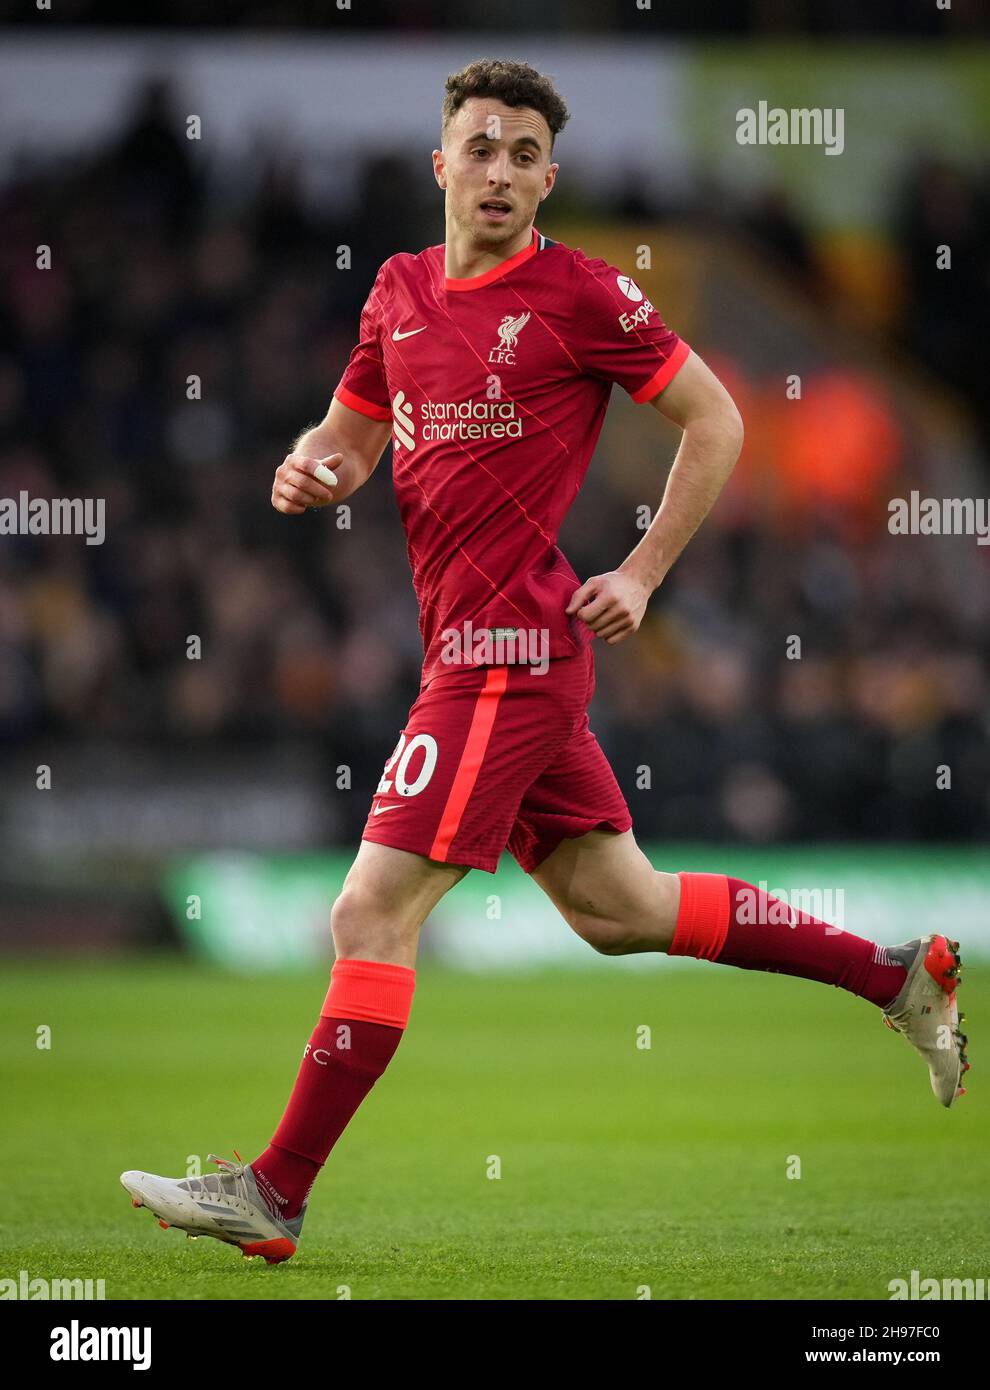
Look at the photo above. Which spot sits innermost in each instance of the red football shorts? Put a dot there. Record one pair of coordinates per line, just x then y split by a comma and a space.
498, 757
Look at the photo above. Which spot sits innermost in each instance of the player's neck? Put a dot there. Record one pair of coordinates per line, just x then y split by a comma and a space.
464, 259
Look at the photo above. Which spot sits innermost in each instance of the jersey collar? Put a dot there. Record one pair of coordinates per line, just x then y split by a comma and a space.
477, 282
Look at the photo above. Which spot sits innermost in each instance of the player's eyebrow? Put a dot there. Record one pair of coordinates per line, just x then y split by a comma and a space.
519, 140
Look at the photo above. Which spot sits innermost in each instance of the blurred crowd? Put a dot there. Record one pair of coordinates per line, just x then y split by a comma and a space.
191, 325
757, 17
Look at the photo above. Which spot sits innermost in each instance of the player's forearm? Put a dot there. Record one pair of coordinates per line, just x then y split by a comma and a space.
707, 455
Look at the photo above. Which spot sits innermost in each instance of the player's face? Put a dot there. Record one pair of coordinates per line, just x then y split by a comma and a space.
495, 166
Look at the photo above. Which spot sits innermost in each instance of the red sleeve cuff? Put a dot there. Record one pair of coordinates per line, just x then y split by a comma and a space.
664, 375
363, 407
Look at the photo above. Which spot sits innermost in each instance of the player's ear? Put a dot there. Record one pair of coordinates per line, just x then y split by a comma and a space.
439, 171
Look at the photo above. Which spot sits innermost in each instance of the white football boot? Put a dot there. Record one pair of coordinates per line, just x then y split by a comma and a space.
925, 1011
226, 1205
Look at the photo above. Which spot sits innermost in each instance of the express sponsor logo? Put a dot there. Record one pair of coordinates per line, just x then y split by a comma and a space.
628, 322
629, 288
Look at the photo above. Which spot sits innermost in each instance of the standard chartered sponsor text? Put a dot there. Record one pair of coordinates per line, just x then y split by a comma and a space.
444, 420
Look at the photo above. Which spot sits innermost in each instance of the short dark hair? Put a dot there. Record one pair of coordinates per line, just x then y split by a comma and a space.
514, 84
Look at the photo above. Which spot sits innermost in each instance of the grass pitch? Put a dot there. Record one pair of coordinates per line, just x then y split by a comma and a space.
622, 1168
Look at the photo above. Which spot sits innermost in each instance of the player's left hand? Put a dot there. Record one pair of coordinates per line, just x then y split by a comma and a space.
611, 604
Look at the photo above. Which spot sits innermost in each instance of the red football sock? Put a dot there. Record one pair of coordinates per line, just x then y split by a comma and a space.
361, 1022
732, 922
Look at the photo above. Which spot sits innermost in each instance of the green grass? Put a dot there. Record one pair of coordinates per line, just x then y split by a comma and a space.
620, 1167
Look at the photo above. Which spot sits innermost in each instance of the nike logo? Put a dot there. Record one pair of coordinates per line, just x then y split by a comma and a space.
380, 810
397, 336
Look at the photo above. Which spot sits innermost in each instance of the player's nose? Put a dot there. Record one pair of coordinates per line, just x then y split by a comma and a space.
499, 171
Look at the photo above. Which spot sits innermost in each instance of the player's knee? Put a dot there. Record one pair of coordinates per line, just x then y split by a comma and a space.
606, 937
363, 927
616, 944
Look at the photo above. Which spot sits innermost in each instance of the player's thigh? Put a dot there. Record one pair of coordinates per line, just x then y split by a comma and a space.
607, 890
385, 899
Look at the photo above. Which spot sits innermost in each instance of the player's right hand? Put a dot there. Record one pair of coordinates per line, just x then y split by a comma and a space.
296, 487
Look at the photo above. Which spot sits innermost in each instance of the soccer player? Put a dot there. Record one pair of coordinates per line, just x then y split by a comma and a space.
489, 361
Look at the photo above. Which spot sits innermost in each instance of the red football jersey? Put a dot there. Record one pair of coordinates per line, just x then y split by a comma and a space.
497, 388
